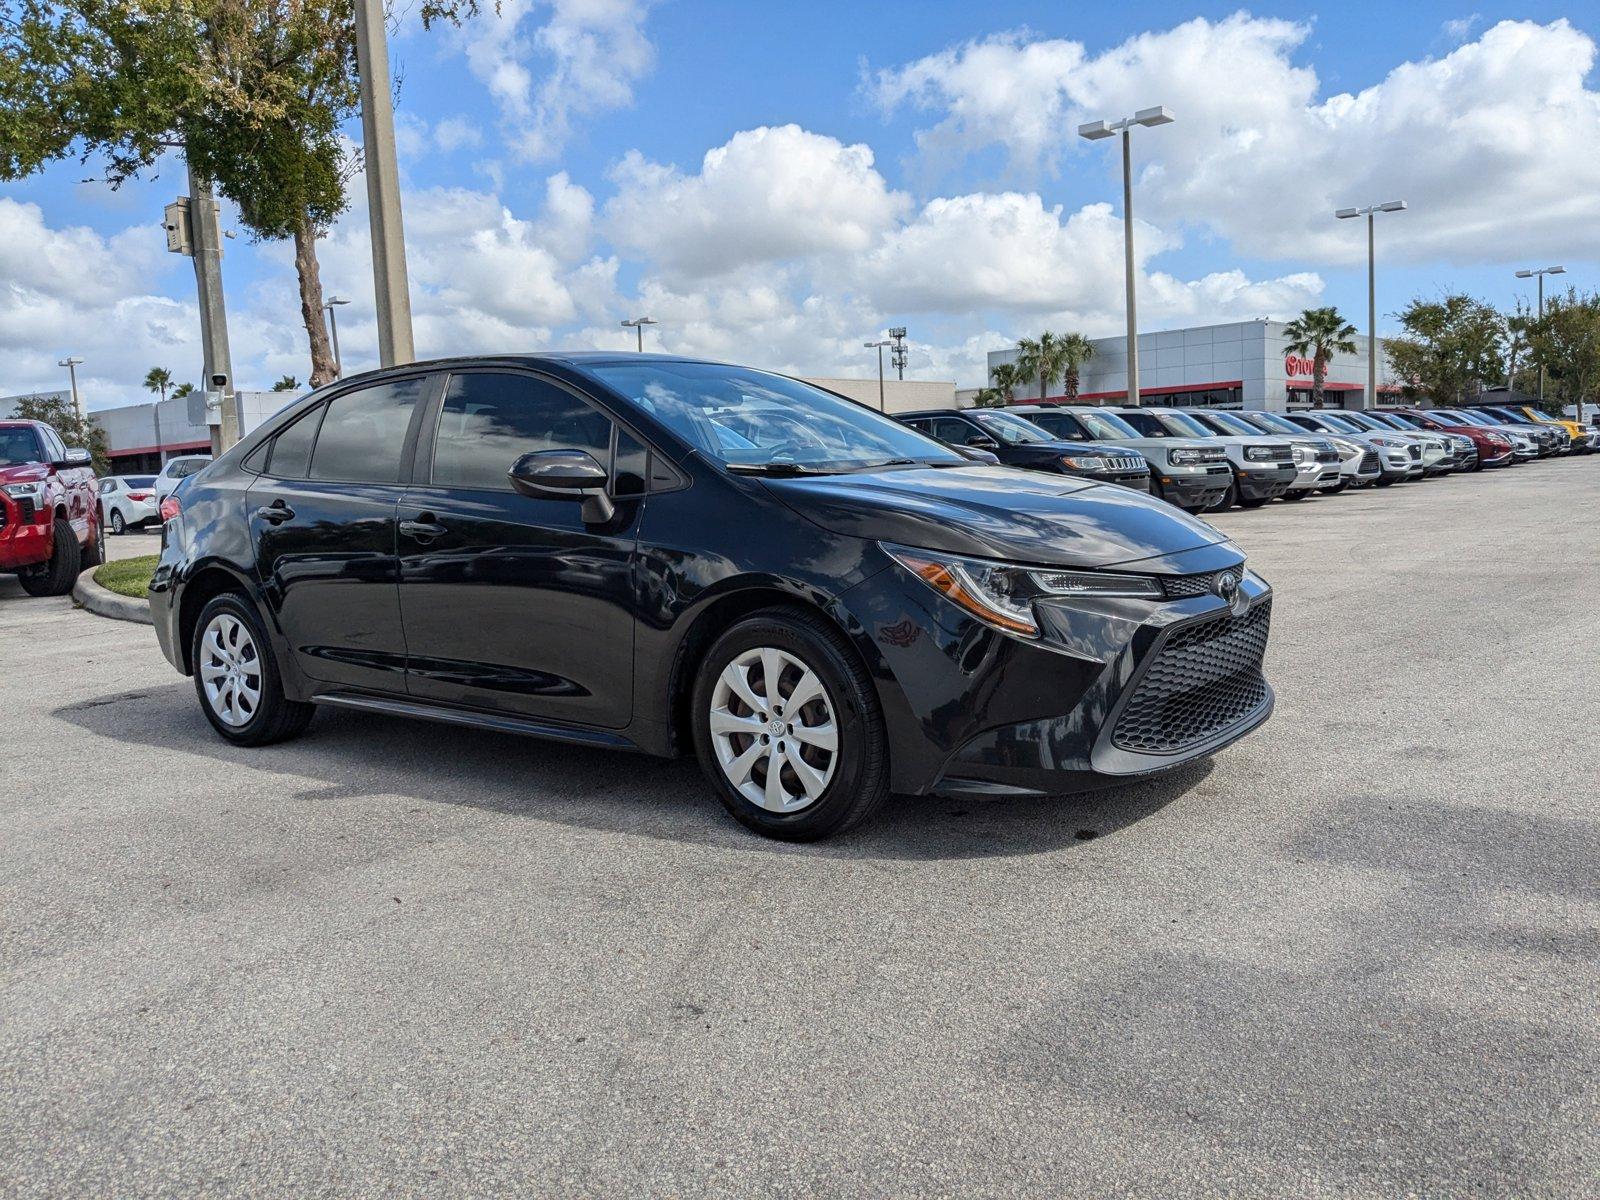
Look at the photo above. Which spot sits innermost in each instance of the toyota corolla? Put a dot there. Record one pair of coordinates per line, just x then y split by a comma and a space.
673, 556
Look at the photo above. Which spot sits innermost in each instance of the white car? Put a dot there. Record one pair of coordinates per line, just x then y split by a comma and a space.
128, 501
177, 469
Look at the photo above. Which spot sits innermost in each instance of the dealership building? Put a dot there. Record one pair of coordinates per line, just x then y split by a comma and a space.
1246, 364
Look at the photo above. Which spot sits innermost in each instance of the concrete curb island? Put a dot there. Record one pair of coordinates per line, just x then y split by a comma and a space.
106, 603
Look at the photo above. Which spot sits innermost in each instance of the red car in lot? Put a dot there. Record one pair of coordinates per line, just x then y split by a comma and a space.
49, 517
1494, 449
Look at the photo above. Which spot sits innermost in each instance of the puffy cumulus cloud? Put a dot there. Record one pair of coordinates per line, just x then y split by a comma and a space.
586, 55
1260, 158
1006, 252
767, 195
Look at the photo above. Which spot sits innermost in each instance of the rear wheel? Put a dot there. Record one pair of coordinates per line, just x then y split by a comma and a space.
788, 728
237, 678
119, 525
58, 575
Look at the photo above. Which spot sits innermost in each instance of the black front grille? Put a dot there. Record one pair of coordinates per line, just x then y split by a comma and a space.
1369, 462
1203, 679
1280, 453
1415, 451
1178, 587
1327, 456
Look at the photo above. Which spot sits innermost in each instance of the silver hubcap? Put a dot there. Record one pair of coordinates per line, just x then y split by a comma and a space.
230, 670
773, 729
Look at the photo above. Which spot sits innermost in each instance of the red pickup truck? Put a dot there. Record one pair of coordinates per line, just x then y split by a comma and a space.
49, 518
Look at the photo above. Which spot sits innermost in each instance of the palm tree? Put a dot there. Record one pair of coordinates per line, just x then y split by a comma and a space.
1075, 351
1321, 333
1006, 378
287, 384
158, 379
182, 390
1041, 359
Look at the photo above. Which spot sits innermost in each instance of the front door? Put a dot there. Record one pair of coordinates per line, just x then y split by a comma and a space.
512, 603
322, 517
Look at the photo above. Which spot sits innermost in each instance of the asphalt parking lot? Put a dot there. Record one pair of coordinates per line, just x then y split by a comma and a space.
1357, 953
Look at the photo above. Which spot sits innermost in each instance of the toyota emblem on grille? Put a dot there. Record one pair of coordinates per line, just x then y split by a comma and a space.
1226, 586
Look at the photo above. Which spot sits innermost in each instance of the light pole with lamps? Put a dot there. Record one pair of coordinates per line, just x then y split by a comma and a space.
1094, 131
333, 331
1344, 214
879, 347
71, 364
1540, 273
637, 324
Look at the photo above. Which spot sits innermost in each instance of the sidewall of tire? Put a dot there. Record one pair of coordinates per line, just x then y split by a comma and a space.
861, 774
277, 717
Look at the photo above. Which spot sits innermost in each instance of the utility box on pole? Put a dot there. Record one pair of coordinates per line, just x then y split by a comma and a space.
176, 222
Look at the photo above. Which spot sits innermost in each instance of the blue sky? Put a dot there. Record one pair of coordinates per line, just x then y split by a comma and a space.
879, 164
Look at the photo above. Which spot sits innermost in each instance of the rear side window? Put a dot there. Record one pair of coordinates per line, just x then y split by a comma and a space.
291, 449
364, 432
489, 420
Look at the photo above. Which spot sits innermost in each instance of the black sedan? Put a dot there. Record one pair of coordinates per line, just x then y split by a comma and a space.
672, 556
1018, 442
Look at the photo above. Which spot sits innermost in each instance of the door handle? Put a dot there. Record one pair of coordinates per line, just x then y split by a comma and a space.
423, 529
275, 513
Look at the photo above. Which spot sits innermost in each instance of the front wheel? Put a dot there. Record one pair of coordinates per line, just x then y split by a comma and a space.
237, 677
58, 575
788, 728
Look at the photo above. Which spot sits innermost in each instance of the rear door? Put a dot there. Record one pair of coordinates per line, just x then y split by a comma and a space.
322, 520
512, 603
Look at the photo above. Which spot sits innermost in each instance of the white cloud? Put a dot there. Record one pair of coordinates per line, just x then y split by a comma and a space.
1493, 144
766, 195
587, 56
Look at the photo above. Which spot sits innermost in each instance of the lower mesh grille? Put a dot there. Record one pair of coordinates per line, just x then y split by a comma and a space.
1205, 678
1369, 461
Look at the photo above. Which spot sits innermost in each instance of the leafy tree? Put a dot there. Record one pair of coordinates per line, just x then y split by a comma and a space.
1451, 350
287, 384
1321, 333
182, 390
59, 413
254, 91
1076, 350
1042, 358
158, 379
1566, 341
1004, 380
1522, 374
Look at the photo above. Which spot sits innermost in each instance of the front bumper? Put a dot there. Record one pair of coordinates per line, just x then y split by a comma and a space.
1192, 486
1139, 481
24, 538
1115, 689
1268, 481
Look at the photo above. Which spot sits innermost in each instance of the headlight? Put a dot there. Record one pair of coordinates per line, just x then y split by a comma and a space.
1389, 443
1184, 455
1346, 449
26, 491
1258, 453
1002, 594
1303, 454
1082, 462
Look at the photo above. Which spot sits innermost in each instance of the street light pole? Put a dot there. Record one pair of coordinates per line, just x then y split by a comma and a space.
882, 407
1540, 273
1094, 131
393, 293
71, 364
333, 331
1372, 288
637, 324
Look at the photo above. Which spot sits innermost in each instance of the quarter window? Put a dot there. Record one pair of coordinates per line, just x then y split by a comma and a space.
364, 433
291, 449
489, 420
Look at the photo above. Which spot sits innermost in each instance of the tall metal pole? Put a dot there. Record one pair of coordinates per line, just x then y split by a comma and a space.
882, 407
72, 376
383, 187
1372, 317
1541, 317
639, 329
333, 333
1127, 249
206, 239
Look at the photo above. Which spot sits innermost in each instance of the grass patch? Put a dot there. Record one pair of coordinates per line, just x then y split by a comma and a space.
128, 576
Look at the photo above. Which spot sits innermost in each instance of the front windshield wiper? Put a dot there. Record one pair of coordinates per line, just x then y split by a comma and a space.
779, 468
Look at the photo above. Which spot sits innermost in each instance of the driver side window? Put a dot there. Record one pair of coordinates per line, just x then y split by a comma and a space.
490, 419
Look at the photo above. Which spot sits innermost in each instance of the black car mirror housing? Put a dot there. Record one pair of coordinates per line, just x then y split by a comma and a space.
565, 475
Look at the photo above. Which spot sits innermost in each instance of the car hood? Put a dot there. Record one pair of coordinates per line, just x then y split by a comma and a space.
24, 473
1158, 443
997, 512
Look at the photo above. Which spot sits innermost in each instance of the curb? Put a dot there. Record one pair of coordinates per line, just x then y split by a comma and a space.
106, 603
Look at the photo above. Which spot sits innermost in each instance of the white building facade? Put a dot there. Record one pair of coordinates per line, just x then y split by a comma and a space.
1245, 364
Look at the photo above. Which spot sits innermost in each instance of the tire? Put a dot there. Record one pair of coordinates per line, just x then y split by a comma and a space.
1294, 496
58, 575
1335, 489
242, 715
119, 525
1223, 503
1384, 481
839, 790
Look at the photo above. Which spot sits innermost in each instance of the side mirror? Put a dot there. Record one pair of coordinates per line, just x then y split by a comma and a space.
77, 456
565, 475
975, 454
978, 442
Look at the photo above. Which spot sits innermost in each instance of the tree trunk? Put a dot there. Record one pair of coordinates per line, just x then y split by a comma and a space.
1071, 385
323, 368
1042, 384
1319, 375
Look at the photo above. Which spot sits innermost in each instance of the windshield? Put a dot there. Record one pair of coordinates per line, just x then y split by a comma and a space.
1235, 422
750, 419
1340, 424
1472, 418
1105, 426
1266, 422
1010, 428
1364, 421
1183, 425
139, 481
19, 445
